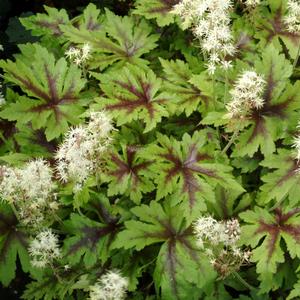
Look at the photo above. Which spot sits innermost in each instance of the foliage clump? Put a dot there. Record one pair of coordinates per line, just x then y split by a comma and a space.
153, 155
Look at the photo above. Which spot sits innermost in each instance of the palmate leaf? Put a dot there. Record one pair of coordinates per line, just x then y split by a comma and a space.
54, 88
281, 100
128, 39
272, 227
13, 244
90, 240
133, 94
158, 9
190, 91
186, 170
284, 180
127, 174
180, 268
272, 30
48, 23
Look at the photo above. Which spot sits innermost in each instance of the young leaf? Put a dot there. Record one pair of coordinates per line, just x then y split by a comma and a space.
13, 243
281, 100
128, 40
186, 169
91, 240
180, 268
283, 181
190, 91
46, 24
158, 9
54, 88
133, 94
127, 174
272, 227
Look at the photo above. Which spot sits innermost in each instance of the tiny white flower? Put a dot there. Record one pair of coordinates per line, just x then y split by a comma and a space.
79, 156
110, 286
292, 19
247, 94
44, 249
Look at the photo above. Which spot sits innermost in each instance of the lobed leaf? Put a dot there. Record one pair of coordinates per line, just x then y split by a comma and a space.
133, 94
48, 23
128, 39
53, 87
281, 100
127, 174
90, 240
13, 245
156, 9
271, 227
185, 170
180, 268
190, 91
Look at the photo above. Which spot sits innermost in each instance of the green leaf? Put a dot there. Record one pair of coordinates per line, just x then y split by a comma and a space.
156, 9
90, 20
128, 39
180, 268
186, 170
13, 244
272, 30
46, 24
283, 181
54, 88
271, 227
281, 100
127, 174
190, 91
133, 94
90, 239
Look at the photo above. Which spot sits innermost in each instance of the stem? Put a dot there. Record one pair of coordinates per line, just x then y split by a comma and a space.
232, 139
226, 87
243, 281
14, 209
55, 273
296, 59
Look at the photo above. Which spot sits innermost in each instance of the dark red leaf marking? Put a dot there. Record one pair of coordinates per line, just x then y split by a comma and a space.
274, 229
124, 168
142, 98
8, 229
188, 169
269, 109
172, 236
278, 28
53, 26
52, 99
167, 5
92, 235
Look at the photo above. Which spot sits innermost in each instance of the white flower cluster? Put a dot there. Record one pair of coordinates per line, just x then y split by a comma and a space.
246, 95
252, 3
211, 24
292, 19
110, 286
79, 55
44, 249
30, 189
80, 155
296, 145
219, 239
209, 229
2, 99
